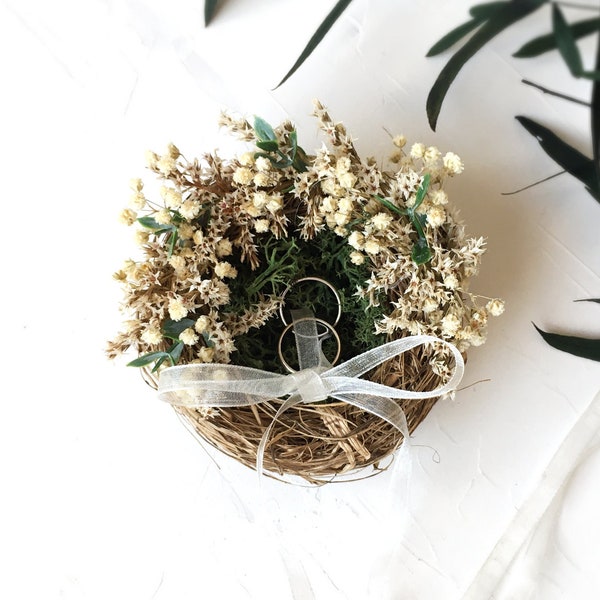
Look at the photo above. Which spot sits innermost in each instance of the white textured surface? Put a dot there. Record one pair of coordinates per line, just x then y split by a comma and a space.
105, 495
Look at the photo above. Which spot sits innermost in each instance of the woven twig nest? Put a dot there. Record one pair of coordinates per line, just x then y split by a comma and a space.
228, 240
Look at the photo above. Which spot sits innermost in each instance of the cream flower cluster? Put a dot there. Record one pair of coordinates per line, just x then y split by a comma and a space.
214, 214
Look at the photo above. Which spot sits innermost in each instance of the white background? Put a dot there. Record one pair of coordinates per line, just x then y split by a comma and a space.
104, 493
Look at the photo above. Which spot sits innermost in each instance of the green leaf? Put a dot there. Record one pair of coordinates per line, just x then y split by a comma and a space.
150, 223
565, 42
583, 347
422, 191
421, 253
175, 352
545, 43
487, 10
589, 300
209, 10
503, 17
570, 159
146, 359
268, 145
390, 206
316, 38
595, 110
264, 132
172, 329
452, 37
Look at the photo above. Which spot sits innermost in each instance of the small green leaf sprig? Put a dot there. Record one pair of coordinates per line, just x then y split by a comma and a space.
268, 142
421, 252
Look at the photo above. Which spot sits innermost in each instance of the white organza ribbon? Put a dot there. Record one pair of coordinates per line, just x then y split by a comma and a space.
225, 385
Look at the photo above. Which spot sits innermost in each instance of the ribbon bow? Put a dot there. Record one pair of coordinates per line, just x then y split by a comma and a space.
225, 385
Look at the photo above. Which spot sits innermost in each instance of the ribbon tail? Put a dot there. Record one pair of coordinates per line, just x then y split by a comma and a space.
260, 453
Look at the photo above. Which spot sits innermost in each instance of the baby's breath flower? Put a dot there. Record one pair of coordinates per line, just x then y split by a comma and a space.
189, 337
261, 179
342, 165
436, 216
330, 187
137, 201
128, 216
260, 199
190, 209
177, 310
223, 248
202, 324
346, 205
432, 154
381, 220
341, 231
329, 204
242, 176
275, 203
163, 217
171, 197
261, 225
136, 184
152, 336
198, 237
417, 150
186, 231
439, 197
173, 151
399, 141
357, 258
451, 281
177, 262
357, 240
453, 164
224, 269
166, 164
372, 246
450, 325
247, 159
263, 164
347, 180
341, 218
495, 307
120, 275
151, 159
206, 355
430, 305
141, 237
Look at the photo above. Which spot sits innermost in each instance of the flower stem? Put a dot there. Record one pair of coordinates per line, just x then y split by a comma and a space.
553, 93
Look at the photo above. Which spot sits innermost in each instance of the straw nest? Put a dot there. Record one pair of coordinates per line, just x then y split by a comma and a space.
322, 441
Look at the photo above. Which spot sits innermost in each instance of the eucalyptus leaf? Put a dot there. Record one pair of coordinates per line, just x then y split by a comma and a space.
570, 159
546, 43
421, 253
209, 10
151, 223
172, 329
264, 132
268, 145
175, 352
503, 17
316, 38
146, 359
422, 191
582, 347
566, 42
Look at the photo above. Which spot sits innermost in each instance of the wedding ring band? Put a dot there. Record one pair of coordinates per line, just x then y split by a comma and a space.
320, 280
322, 322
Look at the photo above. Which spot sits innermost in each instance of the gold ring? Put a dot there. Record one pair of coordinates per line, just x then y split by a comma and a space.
312, 278
288, 327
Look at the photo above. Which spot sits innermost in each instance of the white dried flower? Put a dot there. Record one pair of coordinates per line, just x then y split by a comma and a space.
206, 355
431, 154
438, 197
347, 180
166, 164
163, 217
202, 324
451, 281
136, 184
242, 176
357, 258
189, 337
356, 239
436, 216
173, 151
224, 269
381, 220
263, 164
450, 325
190, 209
224, 248
453, 164
137, 201
247, 159
177, 309
152, 336
372, 246
151, 159
495, 307
261, 180
128, 216
399, 141
417, 150
261, 225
